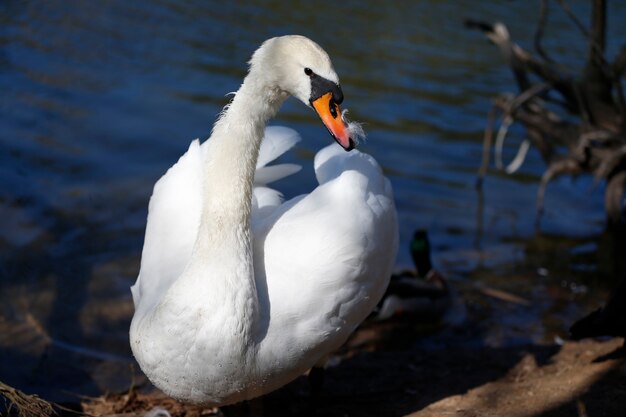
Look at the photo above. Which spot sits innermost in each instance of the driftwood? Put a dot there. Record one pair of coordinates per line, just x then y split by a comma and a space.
593, 139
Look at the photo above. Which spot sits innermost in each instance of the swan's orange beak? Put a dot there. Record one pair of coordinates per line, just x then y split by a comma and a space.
330, 113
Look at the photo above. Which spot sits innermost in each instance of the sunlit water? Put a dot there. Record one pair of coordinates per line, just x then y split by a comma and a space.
98, 99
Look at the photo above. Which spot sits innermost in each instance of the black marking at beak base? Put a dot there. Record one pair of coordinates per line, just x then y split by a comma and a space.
321, 86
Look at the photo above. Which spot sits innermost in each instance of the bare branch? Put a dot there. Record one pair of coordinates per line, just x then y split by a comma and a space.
543, 17
487, 141
572, 16
594, 144
614, 197
555, 169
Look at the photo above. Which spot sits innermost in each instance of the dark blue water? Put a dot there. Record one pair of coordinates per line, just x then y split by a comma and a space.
98, 99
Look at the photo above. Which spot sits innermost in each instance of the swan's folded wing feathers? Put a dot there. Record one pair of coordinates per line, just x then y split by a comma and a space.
264, 201
173, 219
338, 242
266, 174
332, 161
277, 141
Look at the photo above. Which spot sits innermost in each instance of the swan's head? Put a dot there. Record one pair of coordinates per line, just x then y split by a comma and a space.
300, 67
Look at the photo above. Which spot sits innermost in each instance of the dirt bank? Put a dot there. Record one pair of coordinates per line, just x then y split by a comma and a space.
577, 379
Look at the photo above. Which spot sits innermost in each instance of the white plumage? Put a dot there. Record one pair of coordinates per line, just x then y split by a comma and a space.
240, 293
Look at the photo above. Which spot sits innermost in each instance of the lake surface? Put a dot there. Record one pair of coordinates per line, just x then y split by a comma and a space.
98, 99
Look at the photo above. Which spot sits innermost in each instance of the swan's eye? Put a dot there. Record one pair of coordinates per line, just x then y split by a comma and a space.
308, 71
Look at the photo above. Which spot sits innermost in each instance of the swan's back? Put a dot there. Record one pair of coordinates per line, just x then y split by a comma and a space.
326, 257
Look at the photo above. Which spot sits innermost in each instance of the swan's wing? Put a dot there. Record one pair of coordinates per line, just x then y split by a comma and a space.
173, 220
267, 174
176, 203
277, 141
328, 255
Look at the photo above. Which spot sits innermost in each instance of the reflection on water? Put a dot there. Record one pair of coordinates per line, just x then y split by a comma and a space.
99, 98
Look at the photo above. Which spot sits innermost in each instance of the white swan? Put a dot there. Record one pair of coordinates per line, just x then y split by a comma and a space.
239, 294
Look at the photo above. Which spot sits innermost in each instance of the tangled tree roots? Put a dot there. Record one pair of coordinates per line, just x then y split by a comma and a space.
25, 405
596, 142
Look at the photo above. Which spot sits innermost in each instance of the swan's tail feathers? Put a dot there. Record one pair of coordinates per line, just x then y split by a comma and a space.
277, 141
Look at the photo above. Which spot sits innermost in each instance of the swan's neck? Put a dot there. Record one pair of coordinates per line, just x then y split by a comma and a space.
223, 254
231, 162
